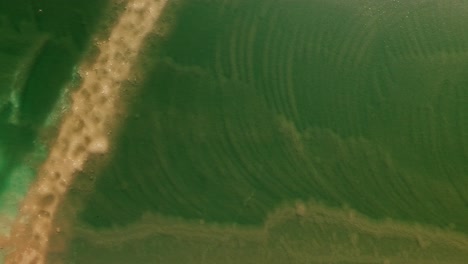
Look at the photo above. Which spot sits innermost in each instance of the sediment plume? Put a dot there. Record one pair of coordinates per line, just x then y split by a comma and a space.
84, 130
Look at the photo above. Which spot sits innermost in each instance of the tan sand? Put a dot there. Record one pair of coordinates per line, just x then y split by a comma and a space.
84, 130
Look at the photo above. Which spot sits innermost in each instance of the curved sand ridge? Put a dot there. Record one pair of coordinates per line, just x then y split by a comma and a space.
84, 130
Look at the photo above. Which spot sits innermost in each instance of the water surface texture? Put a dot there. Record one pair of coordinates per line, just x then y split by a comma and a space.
265, 131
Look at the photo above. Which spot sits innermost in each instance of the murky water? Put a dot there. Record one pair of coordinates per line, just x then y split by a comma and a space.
306, 131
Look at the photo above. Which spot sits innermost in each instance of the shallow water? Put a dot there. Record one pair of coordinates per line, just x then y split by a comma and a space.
257, 131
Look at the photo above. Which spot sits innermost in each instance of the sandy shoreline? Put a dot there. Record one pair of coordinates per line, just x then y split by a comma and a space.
84, 129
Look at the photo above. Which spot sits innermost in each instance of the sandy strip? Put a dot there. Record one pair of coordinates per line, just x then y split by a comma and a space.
84, 130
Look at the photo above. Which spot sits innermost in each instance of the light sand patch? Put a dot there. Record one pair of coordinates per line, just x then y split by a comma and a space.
84, 129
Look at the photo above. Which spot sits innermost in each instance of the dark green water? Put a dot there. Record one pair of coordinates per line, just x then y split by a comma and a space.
359, 109
337, 102
40, 44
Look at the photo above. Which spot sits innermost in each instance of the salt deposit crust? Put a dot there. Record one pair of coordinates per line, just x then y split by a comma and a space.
83, 131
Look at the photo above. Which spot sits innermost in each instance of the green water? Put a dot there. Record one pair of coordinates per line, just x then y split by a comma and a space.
357, 108
40, 43
282, 101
